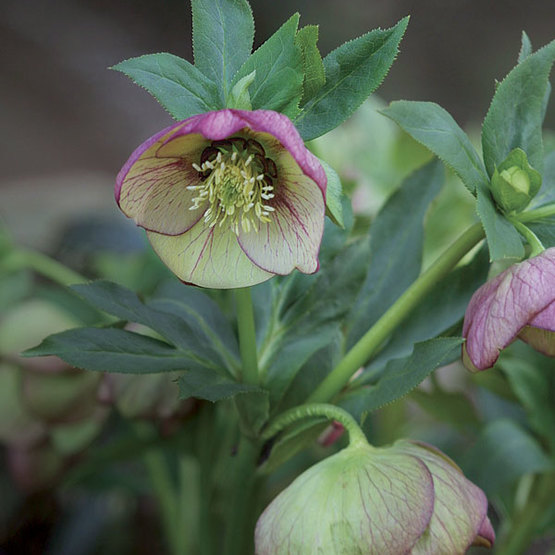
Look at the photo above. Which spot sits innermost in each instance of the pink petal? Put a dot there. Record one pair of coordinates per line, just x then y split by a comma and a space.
151, 187
460, 507
502, 307
207, 256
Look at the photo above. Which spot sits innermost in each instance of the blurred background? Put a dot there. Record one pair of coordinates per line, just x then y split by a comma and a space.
68, 123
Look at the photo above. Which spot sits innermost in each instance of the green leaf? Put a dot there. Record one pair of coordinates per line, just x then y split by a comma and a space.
516, 113
115, 350
436, 313
546, 194
353, 72
123, 303
239, 97
448, 407
503, 453
202, 314
396, 238
210, 385
310, 321
314, 73
278, 63
334, 192
502, 237
532, 379
177, 85
434, 127
525, 47
402, 375
545, 231
223, 34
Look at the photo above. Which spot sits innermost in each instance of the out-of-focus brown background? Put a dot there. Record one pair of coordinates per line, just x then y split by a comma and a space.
68, 123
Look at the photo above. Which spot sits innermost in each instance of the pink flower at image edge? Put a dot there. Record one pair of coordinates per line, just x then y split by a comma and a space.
519, 302
228, 198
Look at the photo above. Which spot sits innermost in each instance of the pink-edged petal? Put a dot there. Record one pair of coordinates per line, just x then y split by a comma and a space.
152, 187
545, 320
486, 534
293, 236
355, 501
501, 308
460, 507
207, 256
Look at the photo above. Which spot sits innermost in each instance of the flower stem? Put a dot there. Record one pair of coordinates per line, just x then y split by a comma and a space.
247, 335
374, 337
538, 214
42, 264
531, 238
356, 435
526, 521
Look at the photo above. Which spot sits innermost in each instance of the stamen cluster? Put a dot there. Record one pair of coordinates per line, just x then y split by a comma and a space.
237, 182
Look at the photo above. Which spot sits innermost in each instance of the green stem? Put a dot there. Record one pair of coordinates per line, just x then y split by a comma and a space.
164, 489
537, 214
526, 521
531, 238
42, 264
374, 337
240, 519
285, 419
247, 335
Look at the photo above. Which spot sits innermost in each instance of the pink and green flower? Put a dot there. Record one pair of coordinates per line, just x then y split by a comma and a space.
406, 498
228, 198
519, 302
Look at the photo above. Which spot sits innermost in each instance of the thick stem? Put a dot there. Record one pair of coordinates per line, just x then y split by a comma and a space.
536, 214
526, 521
535, 244
240, 519
356, 435
44, 265
374, 337
247, 335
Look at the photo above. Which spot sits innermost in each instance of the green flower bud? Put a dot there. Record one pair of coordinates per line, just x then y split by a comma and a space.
407, 498
515, 183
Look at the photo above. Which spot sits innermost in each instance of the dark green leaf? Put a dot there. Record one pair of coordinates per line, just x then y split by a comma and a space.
223, 33
309, 323
115, 350
396, 238
334, 192
314, 73
177, 85
437, 312
434, 127
448, 407
502, 237
545, 231
402, 375
210, 385
123, 303
516, 113
504, 452
533, 381
278, 63
546, 193
353, 72
202, 314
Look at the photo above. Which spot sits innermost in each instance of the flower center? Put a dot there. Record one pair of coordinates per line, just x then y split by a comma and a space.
237, 182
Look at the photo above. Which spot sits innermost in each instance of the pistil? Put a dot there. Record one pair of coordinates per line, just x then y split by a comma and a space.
237, 183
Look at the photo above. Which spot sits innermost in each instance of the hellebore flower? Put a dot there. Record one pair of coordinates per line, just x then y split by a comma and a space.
407, 498
518, 302
228, 198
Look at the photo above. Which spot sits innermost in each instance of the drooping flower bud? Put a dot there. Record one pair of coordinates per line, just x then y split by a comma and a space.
519, 302
515, 183
407, 498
